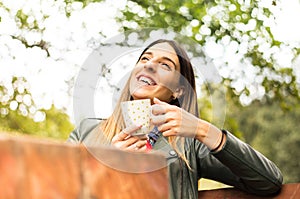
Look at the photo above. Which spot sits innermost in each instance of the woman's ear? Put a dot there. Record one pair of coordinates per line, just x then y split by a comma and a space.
178, 92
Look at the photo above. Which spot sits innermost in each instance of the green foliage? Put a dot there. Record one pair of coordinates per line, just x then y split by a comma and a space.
213, 107
18, 113
84, 2
22, 20
265, 125
16, 96
56, 124
242, 21
68, 3
166, 14
273, 131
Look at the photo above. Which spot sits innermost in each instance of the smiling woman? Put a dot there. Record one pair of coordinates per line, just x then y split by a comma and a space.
164, 75
155, 74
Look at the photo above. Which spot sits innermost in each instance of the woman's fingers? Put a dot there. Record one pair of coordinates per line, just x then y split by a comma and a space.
125, 143
173, 120
142, 149
157, 109
139, 145
124, 140
157, 101
120, 136
126, 133
131, 141
158, 119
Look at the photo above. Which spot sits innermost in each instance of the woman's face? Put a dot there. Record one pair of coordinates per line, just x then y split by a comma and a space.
156, 73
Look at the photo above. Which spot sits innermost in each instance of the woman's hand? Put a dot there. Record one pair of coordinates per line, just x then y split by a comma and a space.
174, 121
125, 141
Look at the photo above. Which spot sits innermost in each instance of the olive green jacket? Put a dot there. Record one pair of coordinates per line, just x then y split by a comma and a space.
236, 164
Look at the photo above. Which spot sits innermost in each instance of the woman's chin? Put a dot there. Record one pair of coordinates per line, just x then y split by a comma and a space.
141, 95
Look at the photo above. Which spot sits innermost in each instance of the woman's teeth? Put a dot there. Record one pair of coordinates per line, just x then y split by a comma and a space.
146, 80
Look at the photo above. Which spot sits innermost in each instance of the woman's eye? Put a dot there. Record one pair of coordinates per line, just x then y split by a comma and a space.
145, 59
166, 66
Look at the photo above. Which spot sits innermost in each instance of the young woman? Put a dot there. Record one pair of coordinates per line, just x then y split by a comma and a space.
165, 75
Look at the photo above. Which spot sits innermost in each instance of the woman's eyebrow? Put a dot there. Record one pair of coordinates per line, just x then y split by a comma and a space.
165, 58
170, 60
149, 53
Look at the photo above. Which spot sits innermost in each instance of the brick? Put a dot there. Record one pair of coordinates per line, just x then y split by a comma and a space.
34, 169
38, 169
10, 170
115, 174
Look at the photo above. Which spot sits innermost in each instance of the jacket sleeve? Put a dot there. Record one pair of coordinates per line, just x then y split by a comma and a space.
239, 165
79, 134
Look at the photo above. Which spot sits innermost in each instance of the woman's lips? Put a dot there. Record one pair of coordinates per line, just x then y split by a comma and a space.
146, 80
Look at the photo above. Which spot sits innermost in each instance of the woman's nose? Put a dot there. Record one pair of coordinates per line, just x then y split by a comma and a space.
150, 66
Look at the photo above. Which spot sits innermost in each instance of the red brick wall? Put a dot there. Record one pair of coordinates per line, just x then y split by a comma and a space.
40, 169
35, 169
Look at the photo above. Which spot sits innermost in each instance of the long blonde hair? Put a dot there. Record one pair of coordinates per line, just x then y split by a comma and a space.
115, 123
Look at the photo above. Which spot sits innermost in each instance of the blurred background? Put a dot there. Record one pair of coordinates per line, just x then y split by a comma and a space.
254, 45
